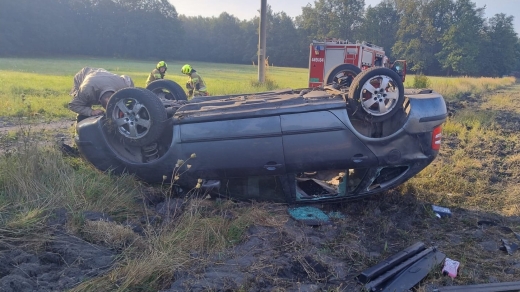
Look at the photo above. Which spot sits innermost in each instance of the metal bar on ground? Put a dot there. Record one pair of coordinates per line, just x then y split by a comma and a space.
414, 274
378, 282
491, 287
374, 271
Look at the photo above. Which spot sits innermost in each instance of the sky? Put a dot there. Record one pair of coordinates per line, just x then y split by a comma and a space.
247, 9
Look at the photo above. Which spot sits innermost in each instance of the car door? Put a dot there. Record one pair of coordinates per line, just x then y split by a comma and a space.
320, 140
235, 148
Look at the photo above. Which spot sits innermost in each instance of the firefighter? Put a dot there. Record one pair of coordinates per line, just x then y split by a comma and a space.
195, 85
95, 86
158, 72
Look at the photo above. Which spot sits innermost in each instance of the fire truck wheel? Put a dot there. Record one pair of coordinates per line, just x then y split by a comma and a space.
342, 74
376, 94
167, 89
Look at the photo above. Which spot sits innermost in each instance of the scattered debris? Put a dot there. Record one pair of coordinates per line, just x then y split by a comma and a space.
441, 211
510, 248
450, 267
377, 270
403, 270
412, 275
309, 215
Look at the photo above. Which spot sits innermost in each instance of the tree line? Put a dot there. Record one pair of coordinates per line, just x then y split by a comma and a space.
436, 37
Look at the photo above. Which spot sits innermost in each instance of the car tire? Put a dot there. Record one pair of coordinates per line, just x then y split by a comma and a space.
168, 89
372, 103
136, 115
332, 76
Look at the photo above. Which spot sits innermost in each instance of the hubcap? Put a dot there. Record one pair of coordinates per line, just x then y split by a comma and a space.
379, 95
132, 118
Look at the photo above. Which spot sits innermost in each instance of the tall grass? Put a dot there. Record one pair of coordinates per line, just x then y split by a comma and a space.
479, 156
453, 88
35, 180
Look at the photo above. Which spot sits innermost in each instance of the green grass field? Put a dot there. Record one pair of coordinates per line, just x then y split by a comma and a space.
39, 87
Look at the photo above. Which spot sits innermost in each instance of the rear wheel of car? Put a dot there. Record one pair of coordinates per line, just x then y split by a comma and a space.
376, 94
167, 89
136, 115
342, 75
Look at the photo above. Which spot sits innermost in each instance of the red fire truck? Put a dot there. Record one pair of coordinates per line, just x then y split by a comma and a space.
339, 61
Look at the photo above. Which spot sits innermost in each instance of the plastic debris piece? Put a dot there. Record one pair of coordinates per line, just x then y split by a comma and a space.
309, 215
412, 275
389, 263
510, 248
450, 267
441, 211
378, 283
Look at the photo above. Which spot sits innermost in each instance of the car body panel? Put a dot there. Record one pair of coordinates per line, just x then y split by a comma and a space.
281, 134
217, 142
303, 136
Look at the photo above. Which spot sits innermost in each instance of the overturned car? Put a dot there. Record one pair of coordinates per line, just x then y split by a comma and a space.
320, 144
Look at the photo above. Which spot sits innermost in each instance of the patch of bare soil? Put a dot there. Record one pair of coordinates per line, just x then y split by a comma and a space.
55, 261
22, 133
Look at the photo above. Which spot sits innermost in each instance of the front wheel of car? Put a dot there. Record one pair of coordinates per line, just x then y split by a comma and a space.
136, 115
167, 89
376, 94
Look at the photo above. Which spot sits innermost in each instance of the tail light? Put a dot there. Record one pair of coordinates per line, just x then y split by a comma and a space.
436, 138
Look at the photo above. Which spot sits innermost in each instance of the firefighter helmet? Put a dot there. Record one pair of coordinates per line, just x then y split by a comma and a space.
186, 69
162, 64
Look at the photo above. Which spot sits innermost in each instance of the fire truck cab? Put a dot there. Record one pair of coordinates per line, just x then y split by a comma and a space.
339, 61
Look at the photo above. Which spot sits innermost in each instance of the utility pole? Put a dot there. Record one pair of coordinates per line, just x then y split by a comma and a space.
261, 41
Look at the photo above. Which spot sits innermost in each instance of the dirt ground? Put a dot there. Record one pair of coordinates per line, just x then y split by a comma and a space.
16, 133
296, 256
